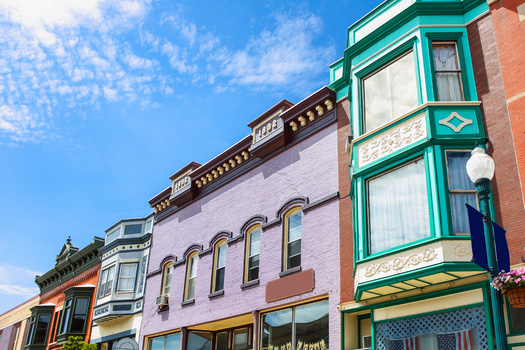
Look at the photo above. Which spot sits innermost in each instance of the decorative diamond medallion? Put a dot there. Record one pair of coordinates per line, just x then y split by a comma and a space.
464, 122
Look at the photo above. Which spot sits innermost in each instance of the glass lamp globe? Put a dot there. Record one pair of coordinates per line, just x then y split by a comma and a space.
480, 165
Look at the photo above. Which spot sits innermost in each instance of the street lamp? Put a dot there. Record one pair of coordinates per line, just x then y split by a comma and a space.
480, 169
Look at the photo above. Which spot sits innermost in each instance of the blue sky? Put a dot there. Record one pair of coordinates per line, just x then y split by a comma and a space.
101, 101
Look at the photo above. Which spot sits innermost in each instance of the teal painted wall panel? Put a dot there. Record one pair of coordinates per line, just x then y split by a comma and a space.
457, 122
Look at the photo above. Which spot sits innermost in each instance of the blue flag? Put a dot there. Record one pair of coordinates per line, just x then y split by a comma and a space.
502, 249
477, 237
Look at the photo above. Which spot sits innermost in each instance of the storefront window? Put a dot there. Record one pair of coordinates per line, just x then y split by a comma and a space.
222, 341
165, 342
199, 341
300, 328
240, 339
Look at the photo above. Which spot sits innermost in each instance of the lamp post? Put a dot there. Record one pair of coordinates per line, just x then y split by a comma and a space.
480, 169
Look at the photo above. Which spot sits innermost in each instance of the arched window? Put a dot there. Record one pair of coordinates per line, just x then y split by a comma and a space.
219, 266
292, 239
191, 276
251, 260
166, 280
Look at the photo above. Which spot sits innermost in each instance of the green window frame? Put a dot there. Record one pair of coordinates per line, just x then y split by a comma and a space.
447, 71
38, 328
76, 313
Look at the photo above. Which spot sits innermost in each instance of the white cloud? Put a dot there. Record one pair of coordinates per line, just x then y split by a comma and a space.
17, 281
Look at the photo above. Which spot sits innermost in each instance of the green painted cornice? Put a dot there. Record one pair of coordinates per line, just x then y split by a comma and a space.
434, 8
75, 264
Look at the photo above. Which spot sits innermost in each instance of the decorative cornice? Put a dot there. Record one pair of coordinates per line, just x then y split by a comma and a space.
399, 263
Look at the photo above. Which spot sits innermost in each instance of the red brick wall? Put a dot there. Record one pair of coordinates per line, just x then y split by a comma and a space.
491, 91
345, 204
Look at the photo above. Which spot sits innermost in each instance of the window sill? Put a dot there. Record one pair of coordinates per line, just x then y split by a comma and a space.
250, 284
188, 302
216, 294
290, 271
162, 309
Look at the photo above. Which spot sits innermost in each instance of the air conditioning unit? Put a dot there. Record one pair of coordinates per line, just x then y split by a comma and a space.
367, 342
162, 300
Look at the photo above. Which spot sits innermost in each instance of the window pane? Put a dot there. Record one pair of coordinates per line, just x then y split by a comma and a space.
41, 329
222, 341
448, 75
459, 210
133, 229
112, 235
199, 341
156, 343
103, 280
240, 339
277, 328
221, 255
30, 332
79, 316
167, 280
193, 266
457, 171
458, 180
127, 277
219, 279
191, 289
65, 316
294, 227
255, 238
398, 207
390, 92
517, 318
311, 324
173, 341
111, 277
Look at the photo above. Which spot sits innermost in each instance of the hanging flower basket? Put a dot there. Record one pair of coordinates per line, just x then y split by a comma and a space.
512, 283
517, 297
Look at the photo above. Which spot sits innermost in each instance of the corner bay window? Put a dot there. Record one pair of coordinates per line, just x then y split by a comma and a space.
447, 70
75, 313
292, 233
38, 327
390, 92
297, 328
398, 210
461, 189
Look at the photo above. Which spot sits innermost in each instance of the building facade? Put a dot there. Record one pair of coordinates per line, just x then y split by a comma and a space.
14, 324
245, 253
117, 313
423, 91
67, 296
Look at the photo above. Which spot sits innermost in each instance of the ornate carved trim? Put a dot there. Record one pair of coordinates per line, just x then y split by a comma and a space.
399, 263
461, 250
392, 140
464, 122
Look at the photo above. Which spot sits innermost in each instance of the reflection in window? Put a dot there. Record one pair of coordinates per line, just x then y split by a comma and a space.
79, 315
191, 276
252, 256
167, 279
308, 322
461, 189
448, 72
132, 229
41, 329
199, 341
221, 342
293, 239
240, 339
65, 316
166, 342
398, 207
112, 235
390, 92
220, 266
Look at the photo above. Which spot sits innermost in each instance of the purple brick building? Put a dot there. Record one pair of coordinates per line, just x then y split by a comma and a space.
245, 250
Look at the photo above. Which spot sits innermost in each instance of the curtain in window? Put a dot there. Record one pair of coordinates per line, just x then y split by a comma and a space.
127, 277
448, 74
459, 181
390, 92
398, 207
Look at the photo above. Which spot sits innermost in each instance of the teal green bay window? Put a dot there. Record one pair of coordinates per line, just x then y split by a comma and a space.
75, 314
298, 327
398, 211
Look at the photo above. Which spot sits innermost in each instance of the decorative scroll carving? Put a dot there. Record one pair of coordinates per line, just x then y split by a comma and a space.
461, 250
399, 263
392, 140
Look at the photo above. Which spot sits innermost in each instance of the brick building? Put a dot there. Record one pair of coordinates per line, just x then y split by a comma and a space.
245, 253
67, 296
423, 83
